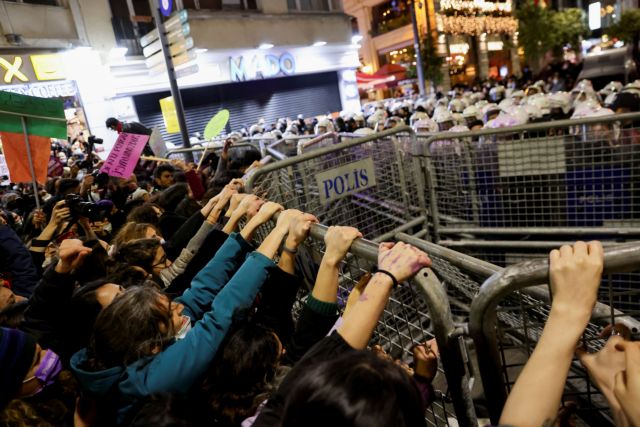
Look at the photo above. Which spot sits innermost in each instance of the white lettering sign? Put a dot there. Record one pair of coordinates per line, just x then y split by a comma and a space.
349, 179
261, 67
44, 90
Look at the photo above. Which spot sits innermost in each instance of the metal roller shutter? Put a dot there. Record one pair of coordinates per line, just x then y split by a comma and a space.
247, 102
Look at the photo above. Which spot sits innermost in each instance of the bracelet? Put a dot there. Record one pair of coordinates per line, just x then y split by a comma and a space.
35, 243
291, 251
386, 273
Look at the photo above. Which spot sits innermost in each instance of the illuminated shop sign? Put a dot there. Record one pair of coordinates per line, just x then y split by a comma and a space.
66, 89
257, 67
20, 69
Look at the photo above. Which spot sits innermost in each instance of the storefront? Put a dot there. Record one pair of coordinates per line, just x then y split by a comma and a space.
44, 74
251, 84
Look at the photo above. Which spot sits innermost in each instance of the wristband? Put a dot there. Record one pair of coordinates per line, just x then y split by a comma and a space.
385, 272
35, 243
291, 251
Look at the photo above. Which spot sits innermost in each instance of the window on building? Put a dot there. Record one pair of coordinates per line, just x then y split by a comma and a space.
315, 5
220, 4
390, 16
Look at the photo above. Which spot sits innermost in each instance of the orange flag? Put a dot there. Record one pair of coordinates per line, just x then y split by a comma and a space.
15, 152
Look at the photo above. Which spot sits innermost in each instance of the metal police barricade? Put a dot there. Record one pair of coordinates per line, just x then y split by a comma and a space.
287, 146
177, 154
567, 177
367, 183
509, 313
416, 312
326, 140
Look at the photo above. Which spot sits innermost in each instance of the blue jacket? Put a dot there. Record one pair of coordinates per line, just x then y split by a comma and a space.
211, 303
16, 259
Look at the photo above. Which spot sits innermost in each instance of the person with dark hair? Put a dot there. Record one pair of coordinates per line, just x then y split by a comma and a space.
166, 410
163, 177
26, 368
148, 213
336, 382
16, 265
143, 343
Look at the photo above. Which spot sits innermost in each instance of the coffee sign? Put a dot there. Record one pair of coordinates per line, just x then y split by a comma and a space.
21, 69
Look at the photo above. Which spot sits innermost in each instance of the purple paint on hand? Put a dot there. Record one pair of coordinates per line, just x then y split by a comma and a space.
363, 297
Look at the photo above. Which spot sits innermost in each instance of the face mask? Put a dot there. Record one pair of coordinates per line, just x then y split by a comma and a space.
48, 371
185, 328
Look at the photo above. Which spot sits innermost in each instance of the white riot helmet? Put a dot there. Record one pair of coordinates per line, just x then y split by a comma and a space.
590, 109
489, 112
292, 129
235, 136
256, 129
506, 104
418, 115
633, 87
324, 125
496, 94
459, 128
560, 101
444, 119
471, 114
610, 99
611, 87
376, 120
425, 126
541, 102
517, 96
456, 105
583, 96
363, 132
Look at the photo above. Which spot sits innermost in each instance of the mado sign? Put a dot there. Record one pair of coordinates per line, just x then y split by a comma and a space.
349, 179
261, 66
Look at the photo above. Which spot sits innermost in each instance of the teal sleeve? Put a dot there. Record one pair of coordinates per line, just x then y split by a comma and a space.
208, 282
182, 364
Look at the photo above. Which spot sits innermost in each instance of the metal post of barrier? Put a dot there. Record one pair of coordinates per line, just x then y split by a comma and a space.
525, 277
448, 345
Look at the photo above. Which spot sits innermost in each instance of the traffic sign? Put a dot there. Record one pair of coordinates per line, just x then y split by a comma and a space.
170, 25
166, 6
176, 36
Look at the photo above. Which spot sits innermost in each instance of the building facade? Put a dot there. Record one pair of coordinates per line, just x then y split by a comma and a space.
257, 58
476, 38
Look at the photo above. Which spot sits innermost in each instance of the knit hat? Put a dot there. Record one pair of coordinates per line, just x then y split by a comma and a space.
16, 357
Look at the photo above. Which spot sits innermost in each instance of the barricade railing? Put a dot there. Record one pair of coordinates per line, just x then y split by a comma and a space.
371, 183
509, 312
567, 177
325, 140
177, 153
415, 313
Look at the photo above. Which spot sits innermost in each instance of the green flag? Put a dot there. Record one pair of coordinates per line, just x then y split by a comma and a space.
44, 116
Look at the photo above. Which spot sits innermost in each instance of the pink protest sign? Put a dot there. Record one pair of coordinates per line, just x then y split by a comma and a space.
124, 155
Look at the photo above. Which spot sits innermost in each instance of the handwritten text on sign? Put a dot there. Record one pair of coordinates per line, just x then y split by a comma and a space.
351, 178
124, 155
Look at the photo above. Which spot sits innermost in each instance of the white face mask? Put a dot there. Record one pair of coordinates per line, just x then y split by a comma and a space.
185, 328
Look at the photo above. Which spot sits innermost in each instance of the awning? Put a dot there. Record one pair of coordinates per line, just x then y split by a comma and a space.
387, 76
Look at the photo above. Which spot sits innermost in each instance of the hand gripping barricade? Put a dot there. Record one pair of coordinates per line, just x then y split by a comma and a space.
491, 188
416, 312
371, 183
509, 313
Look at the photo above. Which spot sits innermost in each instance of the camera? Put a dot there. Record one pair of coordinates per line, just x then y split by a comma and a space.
80, 208
100, 178
93, 140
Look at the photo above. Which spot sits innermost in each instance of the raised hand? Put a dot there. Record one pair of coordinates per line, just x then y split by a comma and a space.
627, 382
425, 359
267, 211
60, 214
575, 277
338, 240
72, 254
299, 229
403, 261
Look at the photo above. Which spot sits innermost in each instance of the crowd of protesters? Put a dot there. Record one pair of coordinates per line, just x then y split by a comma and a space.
150, 301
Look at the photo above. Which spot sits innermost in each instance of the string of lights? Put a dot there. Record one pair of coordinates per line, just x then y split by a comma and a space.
474, 26
479, 5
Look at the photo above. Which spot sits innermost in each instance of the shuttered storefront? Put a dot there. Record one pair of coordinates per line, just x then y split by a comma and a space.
247, 102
